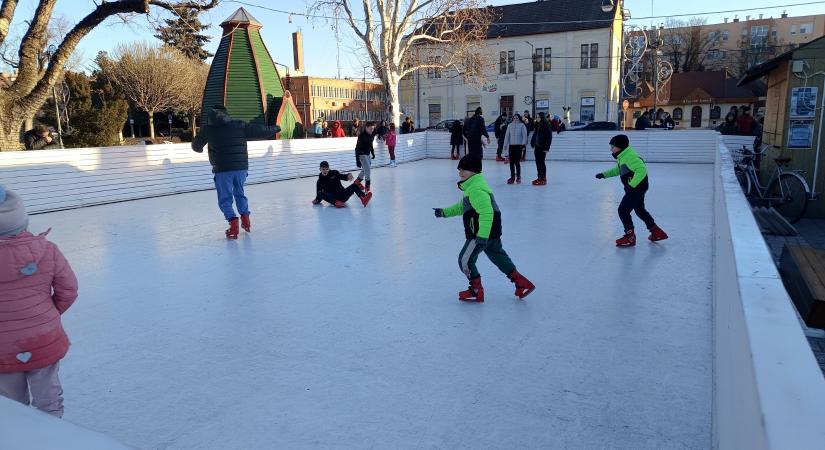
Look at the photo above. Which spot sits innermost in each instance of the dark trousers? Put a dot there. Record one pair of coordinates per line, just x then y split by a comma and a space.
634, 200
500, 147
515, 160
342, 196
392, 152
541, 166
494, 250
474, 147
455, 150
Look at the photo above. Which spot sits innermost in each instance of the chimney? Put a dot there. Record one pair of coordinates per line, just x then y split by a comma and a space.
760, 16
726, 20
298, 51
748, 17
736, 18
784, 14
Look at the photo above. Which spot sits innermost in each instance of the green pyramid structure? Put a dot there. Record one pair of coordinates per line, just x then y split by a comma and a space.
243, 77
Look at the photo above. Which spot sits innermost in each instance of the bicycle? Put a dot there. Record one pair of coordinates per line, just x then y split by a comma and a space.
786, 190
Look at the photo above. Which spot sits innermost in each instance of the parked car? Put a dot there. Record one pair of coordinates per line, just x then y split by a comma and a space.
596, 126
576, 124
444, 125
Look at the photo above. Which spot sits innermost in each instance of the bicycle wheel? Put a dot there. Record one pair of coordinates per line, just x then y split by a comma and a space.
789, 195
744, 181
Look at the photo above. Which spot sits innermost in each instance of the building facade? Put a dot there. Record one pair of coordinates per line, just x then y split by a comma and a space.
570, 44
338, 99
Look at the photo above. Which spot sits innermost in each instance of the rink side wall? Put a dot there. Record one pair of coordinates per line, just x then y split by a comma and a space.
768, 392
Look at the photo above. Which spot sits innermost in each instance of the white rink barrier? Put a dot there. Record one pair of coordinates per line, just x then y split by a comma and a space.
51, 180
25, 428
654, 145
768, 392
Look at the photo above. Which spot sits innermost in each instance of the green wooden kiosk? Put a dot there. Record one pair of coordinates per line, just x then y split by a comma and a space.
243, 77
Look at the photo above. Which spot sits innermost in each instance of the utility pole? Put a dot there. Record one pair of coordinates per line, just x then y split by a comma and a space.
533, 96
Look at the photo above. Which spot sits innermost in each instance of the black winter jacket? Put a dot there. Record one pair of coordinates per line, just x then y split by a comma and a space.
33, 141
543, 136
227, 141
500, 128
457, 134
364, 144
330, 183
474, 128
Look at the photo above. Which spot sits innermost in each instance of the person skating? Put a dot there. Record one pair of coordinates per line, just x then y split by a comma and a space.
329, 188
515, 141
37, 285
499, 128
230, 162
474, 129
542, 138
482, 231
363, 151
390, 139
633, 172
456, 139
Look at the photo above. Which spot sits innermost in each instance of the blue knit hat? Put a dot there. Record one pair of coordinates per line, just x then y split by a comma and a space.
13, 217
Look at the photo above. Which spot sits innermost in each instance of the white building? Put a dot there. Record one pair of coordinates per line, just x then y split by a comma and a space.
576, 46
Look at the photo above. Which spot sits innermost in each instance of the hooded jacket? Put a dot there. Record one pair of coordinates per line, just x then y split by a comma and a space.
482, 218
227, 141
337, 131
516, 134
631, 167
543, 136
37, 285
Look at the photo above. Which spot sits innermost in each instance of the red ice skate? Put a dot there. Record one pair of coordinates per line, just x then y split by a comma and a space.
628, 240
245, 223
232, 231
340, 204
657, 234
358, 183
475, 293
523, 286
366, 199
499, 159
518, 180
511, 180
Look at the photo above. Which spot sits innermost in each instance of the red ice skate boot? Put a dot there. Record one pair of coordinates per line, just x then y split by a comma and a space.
499, 159
245, 223
475, 293
511, 180
628, 240
358, 183
518, 180
536, 182
657, 234
366, 199
340, 204
543, 182
367, 187
232, 232
523, 286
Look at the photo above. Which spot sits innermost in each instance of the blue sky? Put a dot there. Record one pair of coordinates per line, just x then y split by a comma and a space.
319, 39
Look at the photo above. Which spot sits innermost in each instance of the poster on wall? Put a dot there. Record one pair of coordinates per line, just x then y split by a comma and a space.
803, 102
800, 133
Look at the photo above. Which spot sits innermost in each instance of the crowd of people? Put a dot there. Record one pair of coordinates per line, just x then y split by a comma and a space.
655, 119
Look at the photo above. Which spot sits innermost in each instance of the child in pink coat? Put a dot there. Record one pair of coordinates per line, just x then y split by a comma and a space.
390, 139
37, 285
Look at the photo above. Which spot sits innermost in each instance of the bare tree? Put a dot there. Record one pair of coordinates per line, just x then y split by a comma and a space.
191, 96
21, 99
687, 43
402, 36
153, 78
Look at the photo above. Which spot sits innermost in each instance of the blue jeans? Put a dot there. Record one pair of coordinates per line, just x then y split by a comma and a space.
230, 185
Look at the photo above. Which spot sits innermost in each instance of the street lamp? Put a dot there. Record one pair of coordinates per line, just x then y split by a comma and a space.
533, 97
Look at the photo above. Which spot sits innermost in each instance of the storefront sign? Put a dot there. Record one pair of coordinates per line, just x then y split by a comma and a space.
588, 101
542, 104
491, 87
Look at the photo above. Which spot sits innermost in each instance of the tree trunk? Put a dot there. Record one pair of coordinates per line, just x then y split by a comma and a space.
151, 125
192, 123
9, 130
392, 100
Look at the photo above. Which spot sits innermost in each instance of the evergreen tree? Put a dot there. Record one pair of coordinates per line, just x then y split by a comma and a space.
184, 34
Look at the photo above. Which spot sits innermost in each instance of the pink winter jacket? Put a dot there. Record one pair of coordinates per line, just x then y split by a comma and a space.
37, 285
390, 138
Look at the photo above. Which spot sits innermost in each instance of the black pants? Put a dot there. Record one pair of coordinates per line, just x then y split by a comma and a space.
500, 147
455, 150
341, 196
515, 160
474, 147
634, 200
541, 166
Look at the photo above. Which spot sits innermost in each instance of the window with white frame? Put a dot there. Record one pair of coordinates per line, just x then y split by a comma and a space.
547, 62
507, 62
793, 29
585, 56
759, 35
590, 56
725, 35
806, 28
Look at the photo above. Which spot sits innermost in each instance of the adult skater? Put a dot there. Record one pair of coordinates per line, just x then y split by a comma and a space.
542, 138
482, 230
230, 161
329, 188
363, 151
515, 141
456, 139
474, 129
499, 128
633, 172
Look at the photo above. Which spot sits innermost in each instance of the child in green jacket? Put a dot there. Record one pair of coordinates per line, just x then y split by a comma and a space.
633, 172
482, 229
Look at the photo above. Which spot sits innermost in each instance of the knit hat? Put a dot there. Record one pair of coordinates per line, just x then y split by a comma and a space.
470, 162
13, 217
324, 164
620, 140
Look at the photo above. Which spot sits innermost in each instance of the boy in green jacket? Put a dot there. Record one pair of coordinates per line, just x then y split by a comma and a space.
633, 172
482, 229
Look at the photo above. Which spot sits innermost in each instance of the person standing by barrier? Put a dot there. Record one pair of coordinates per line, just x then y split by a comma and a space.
230, 162
542, 138
499, 128
456, 139
515, 141
633, 172
474, 129
390, 139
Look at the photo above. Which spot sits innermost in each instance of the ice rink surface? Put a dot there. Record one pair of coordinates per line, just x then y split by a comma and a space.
340, 328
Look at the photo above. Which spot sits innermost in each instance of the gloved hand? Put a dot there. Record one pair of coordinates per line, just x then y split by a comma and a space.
438, 212
373, 155
481, 242
599, 176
